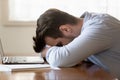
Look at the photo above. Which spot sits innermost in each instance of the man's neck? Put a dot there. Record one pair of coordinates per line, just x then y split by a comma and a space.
80, 24
78, 27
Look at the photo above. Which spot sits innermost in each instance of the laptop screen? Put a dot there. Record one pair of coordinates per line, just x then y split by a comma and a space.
1, 51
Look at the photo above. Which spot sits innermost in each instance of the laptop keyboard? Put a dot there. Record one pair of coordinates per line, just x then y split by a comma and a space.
13, 59
22, 59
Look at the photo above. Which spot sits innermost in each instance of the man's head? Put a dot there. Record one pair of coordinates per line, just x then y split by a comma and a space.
54, 28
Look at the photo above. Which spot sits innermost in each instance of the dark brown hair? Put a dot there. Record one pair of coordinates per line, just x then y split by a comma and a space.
48, 25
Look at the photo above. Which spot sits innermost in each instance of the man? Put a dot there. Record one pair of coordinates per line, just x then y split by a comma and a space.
92, 36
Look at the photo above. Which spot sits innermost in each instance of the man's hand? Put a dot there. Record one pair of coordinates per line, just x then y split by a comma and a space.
43, 53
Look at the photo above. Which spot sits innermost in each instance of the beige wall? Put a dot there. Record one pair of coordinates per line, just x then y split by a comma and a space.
0, 16
16, 40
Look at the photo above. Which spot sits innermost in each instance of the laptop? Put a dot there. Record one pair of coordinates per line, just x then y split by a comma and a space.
19, 59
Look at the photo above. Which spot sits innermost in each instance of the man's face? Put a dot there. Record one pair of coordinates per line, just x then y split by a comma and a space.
58, 41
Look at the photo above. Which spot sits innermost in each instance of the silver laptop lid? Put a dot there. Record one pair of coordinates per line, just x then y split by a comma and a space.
1, 51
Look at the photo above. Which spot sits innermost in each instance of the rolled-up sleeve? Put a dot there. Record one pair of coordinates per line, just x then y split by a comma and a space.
91, 41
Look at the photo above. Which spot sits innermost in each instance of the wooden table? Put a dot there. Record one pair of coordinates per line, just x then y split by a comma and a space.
79, 72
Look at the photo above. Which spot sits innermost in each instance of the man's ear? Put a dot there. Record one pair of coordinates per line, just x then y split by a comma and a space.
65, 29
